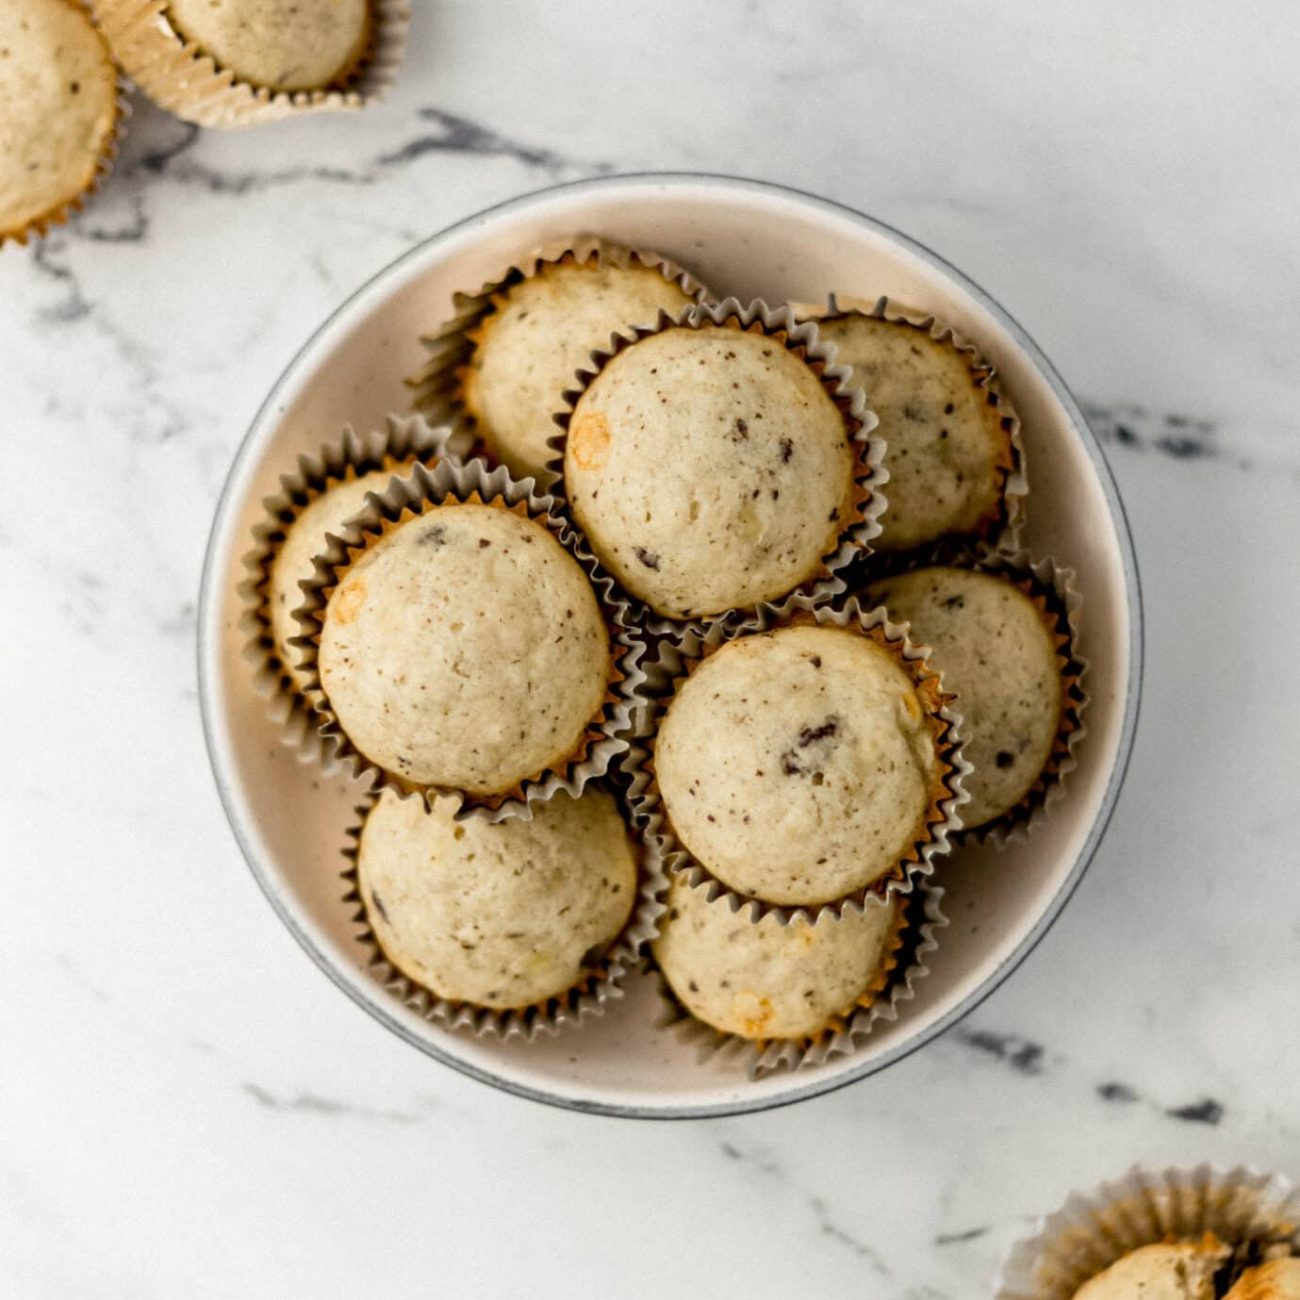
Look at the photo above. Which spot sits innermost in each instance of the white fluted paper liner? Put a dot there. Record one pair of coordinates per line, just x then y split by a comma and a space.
801, 338
1247, 1210
179, 76
583, 1002
607, 735
436, 388
403, 438
907, 963
1004, 533
674, 660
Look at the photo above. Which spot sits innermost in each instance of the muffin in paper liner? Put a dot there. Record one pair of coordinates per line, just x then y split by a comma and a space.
1256, 1215
402, 442
1051, 587
472, 483
38, 225
674, 661
584, 1001
180, 76
438, 389
858, 525
906, 961
1001, 531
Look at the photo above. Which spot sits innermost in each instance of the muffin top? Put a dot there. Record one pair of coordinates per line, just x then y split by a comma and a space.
946, 449
465, 649
503, 915
1178, 1270
1279, 1279
710, 469
994, 650
58, 108
798, 765
304, 540
280, 44
540, 333
763, 979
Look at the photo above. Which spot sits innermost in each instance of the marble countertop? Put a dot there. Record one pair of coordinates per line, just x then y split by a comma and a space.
187, 1108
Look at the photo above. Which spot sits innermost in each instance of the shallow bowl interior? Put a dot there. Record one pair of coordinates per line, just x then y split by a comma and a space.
750, 240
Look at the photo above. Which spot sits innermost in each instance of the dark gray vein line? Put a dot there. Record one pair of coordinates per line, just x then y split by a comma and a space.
832, 1230
955, 1238
1021, 1054
310, 1103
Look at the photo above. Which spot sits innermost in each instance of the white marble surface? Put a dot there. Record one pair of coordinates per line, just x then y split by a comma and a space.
187, 1108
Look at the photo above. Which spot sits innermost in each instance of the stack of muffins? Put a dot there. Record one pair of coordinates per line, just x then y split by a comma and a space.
713, 678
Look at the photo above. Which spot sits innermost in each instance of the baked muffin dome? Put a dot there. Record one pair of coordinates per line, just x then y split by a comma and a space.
58, 109
762, 979
304, 539
465, 649
501, 915
948, 449
1178, 1270
1278, 1279
799, 765
996, 653
710, 469
540, 333
280, 44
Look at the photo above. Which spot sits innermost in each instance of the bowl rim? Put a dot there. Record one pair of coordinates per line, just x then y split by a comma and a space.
208, 630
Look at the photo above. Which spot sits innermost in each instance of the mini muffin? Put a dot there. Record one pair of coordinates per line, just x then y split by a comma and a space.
710, 468
1176, 1270
764, 980
948, 436
465, 649
998, 653
1278, 1279
800, 765
279, 44
539, 333
58, 112
502, 916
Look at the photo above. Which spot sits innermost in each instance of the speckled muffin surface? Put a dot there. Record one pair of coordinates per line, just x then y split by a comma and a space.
465, 649
304, 539
279, 44
798, 765
529, 348
995, 651
947, 449
760, 979
58, 109
501, 915
710, 469
1278, 1279
1180, 1270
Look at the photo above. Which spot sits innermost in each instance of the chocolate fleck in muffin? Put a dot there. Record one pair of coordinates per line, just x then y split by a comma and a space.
998, 653
279, 44
948, 435
503, 915
710, 468
764, 980
539, 332
1278, 1279
465, 649
58, 112
1176, 1270
800, 765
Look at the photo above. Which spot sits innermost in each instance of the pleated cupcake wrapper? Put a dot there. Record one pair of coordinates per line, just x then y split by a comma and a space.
673, 662
1006, 531
404, 438
438, 386
801, 338
472, 482
1255, 1214
1051, 587
39, 227
905, 963
584, 1001
179, 76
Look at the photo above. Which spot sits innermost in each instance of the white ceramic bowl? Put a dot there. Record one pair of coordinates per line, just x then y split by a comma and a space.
747, 239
